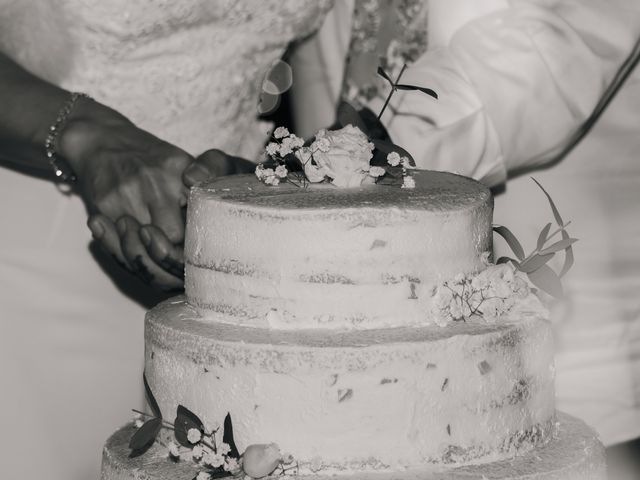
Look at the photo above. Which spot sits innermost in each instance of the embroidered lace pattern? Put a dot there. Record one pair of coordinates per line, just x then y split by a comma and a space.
189, 71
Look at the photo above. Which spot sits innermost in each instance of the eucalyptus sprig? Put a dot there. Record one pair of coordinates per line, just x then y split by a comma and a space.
535, 264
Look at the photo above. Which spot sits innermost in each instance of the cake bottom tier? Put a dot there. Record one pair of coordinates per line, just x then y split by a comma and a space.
573, 453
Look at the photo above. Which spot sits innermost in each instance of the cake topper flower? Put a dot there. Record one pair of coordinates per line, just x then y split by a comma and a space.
346, 156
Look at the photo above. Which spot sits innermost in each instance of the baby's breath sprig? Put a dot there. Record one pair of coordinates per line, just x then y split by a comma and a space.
535, 264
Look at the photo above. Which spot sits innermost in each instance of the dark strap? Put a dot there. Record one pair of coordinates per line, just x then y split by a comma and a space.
621, 76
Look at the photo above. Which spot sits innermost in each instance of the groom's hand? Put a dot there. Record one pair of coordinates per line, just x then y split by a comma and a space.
209, 165
215, 163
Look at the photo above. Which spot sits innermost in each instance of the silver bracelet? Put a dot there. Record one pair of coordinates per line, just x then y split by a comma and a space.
61, 168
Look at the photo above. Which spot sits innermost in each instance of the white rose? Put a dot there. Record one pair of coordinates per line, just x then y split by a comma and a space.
346, 161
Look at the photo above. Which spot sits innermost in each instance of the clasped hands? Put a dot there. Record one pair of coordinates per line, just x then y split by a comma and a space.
135, 187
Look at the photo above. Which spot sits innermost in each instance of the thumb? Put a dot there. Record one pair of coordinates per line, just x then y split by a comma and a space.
207, 166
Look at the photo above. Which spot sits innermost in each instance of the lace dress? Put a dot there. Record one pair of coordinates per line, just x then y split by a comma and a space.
190, 72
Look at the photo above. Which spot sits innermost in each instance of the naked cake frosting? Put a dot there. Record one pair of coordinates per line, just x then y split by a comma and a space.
313, 316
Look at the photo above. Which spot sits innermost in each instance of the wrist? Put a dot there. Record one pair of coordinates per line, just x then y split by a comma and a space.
85, 130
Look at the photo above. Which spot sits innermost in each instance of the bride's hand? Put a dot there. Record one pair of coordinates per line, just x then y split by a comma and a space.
146, 250
123, 170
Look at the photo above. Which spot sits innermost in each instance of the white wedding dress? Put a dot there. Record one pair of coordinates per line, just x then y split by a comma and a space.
190, 72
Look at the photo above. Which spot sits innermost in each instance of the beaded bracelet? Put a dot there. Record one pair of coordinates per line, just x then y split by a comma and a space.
61, 168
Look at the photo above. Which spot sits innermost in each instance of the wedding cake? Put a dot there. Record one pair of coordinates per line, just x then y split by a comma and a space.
323, 320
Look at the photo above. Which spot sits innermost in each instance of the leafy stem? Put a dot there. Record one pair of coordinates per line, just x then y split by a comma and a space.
394, 88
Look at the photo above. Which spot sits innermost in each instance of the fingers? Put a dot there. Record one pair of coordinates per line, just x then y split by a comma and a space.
137, 257
169, 256
169, 218
215, 163
104, 231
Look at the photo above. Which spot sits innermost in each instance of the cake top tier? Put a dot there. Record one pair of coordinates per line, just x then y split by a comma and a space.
434, 191
323, 257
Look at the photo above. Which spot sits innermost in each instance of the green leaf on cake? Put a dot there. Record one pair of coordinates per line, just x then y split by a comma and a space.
219, 472
535, 262
347, 115
385, 75
568, 251
511, 240
547, 280
150, 398
428, 91
542, 238
506, 260
145, 436
185, 421
227, 437
559, 245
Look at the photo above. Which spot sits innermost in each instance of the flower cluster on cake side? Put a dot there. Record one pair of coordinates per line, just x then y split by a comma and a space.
211, 448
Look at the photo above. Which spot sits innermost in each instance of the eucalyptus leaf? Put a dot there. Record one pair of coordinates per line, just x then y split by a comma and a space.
568, 260
507, 260
185, 421
347, 115
219, 472
559, 245
511, 240
227, 437
387, 147
542, 238
556, 213
535, 262
547, 280
428, 91
153, 403
384, 75
568, 252
145, 436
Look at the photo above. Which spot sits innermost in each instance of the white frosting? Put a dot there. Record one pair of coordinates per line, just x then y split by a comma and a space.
572, 453
323, 257
360, 400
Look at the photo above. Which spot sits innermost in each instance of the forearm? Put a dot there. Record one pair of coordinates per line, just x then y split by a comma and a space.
514, 86
29, 107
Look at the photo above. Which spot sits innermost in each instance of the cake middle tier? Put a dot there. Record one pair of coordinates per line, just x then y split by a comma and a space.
321, 257
385, 399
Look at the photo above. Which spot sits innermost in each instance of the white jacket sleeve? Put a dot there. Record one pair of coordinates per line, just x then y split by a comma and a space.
514, 84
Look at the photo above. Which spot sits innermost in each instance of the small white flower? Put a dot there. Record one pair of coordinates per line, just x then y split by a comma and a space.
194, 435
296, 142
272, 180
231, 464
286, 147
405, 162
174, 450
322, 144
281, 132
197, 452
272, 149
376, 171
408, 182
287, 458
214, 460
224, 448
203, 476
281, 171
260, 171
393, 159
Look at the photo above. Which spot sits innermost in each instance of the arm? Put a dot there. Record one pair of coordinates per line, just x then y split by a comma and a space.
514, 85
122, 171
